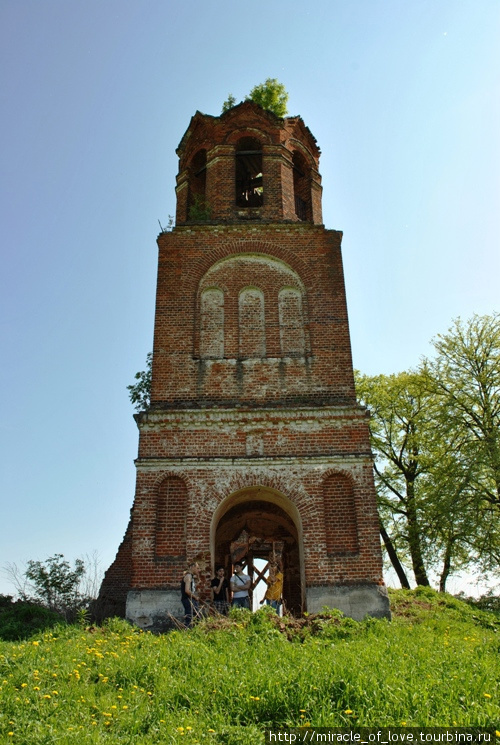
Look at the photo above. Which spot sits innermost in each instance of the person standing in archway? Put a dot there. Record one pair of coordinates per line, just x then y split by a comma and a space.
240, 585
219, 589
274, 587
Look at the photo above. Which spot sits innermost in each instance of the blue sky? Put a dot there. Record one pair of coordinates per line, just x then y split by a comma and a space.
404, 100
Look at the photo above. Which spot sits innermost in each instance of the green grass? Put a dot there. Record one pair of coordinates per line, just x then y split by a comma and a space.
436, 664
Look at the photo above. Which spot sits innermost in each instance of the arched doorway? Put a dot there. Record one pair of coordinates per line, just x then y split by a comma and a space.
259, 523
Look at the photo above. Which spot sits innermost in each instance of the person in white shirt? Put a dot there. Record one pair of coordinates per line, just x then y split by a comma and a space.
240, 585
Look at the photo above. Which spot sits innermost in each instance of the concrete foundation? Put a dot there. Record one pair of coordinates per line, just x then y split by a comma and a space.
356, 601
159, 610
154, 610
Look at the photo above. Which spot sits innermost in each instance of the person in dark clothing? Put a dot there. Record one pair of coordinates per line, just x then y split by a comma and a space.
219, 589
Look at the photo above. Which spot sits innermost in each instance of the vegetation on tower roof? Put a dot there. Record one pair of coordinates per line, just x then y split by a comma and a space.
271, 95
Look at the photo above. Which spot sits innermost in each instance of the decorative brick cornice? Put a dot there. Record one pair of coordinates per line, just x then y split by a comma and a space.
325, 464
306, 419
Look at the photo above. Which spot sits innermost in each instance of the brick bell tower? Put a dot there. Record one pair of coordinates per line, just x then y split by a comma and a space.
254, 443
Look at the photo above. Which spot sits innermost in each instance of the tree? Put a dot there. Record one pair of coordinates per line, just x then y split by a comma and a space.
398, 405
465, 375
450, 519
140, 392
56, 584
464, 378
53, 584
229, 103
435, 435
271, 95
425, 489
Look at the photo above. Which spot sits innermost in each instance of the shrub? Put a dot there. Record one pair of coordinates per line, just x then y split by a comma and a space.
21, 619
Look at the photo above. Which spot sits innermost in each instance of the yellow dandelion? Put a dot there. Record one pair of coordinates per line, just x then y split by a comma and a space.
348, 711
487, 695
36, 688
47, 695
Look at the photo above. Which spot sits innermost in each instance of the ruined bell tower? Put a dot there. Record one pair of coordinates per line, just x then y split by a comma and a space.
254, 443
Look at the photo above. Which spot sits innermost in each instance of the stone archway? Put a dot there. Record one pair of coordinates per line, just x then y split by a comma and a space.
255, 523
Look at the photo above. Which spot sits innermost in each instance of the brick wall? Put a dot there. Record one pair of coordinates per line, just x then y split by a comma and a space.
203, 350
338, 545
286, 146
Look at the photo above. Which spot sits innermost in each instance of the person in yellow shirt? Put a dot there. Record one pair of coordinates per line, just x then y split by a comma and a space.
274, 587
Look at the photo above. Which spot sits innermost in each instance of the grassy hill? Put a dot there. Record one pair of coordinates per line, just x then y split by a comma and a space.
436, 664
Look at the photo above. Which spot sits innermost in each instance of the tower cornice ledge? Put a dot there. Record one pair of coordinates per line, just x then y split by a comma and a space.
235, 225
320, 462
250, 418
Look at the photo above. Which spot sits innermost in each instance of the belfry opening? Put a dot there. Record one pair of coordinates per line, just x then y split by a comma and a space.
253, 445
260, 523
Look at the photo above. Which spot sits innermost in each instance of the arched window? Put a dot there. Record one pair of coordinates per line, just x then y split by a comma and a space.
249, 188
251, 322
212, 323
301, 186
197, 206
291, 317
171, 508
341, 525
